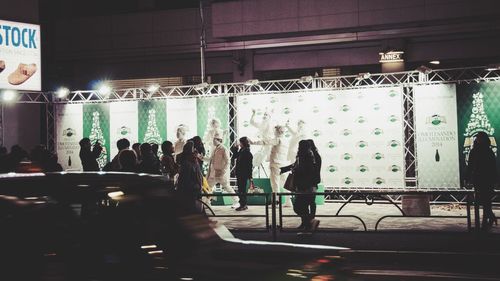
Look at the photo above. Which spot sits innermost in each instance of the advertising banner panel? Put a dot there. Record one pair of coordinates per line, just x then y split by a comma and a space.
212, 117
181, 112
152, 121
478, 110
20, 56
124, 123
69, 132
358, 133
437, 136
96, 128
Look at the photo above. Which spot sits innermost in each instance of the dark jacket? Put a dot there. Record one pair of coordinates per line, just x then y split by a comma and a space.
169, 166
244, 167
149, 164
481, 168
190, 178
317, 168
89, 158
304, 172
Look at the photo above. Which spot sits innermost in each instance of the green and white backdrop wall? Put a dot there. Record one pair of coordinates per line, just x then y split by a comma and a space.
139, 121
359, 132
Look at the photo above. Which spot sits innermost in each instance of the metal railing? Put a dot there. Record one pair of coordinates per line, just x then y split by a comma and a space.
274, 216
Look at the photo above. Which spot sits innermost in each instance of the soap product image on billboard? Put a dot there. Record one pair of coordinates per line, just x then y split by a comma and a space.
20, 58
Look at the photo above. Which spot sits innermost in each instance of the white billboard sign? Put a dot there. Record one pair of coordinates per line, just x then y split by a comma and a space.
20, 56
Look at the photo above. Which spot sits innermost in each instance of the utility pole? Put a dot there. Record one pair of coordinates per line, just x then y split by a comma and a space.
202, 43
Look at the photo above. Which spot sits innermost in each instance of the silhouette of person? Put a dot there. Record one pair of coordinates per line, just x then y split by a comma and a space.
128, 161
481, 172
88, 156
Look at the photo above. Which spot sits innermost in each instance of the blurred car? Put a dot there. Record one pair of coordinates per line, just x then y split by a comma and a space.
125, 226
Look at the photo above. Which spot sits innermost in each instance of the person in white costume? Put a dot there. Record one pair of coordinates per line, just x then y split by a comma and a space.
213, 128
218, 168
181, 139
265, 134
296, 136
277, 159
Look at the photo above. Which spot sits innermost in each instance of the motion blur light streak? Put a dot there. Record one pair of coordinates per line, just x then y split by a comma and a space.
115, 194
155, 252
323, 278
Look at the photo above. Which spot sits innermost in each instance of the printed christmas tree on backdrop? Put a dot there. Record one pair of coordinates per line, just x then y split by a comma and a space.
96, 135
152, 134
478, 122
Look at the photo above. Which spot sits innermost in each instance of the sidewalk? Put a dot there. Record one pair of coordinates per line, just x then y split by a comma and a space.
368, 213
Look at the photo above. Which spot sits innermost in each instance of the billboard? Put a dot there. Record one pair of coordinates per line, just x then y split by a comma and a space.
437, 136
359, 133
20, 56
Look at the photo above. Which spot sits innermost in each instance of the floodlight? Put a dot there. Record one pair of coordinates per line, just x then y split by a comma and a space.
306, 79
434, 62
252, 82
363, 75
62, 92
105, 90
424, 69
153, 88
201, 86
8, 95
493, 67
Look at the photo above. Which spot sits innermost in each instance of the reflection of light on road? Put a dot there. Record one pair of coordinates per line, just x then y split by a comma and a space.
323, 278
155, 252
116, 194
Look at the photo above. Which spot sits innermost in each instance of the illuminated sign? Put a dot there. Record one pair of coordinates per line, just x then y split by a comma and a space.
391, 56
20, 58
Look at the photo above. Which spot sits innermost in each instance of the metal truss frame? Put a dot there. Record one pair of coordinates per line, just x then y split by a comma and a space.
407, 80
1, 126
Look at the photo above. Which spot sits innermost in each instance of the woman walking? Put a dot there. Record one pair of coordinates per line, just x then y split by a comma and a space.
304, 177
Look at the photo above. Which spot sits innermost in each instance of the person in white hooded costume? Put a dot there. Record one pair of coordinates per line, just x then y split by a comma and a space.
277, 159
213, 128
181, 139
265, 134
296, 136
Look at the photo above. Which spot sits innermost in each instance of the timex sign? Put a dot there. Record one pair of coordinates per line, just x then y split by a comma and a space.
391, 56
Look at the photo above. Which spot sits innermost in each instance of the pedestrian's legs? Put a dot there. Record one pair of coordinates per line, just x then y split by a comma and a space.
242, 190
211, 182
277, 181
224, 182
275, 176
301, 209
312, 208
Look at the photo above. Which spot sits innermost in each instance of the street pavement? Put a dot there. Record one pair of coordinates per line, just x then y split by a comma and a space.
401, 249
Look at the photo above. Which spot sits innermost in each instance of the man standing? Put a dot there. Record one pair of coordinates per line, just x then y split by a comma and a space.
218, 169
243, 170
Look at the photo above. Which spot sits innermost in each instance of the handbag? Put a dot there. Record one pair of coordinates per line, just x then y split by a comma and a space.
289, 183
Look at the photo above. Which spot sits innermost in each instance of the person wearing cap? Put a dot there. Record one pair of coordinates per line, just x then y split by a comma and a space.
218, 168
